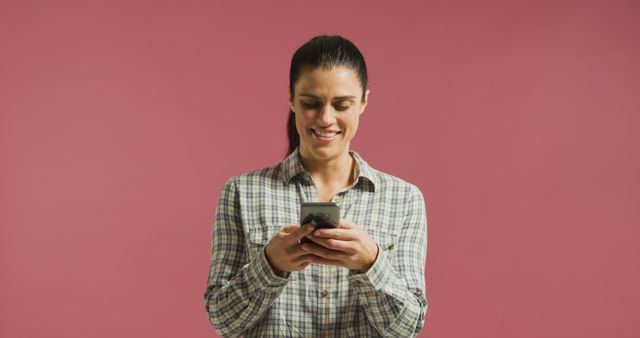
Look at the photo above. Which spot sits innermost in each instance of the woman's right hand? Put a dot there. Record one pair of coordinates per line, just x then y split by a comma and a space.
284, 252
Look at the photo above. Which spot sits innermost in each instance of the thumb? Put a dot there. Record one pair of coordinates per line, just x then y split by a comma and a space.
289, 229
302, 231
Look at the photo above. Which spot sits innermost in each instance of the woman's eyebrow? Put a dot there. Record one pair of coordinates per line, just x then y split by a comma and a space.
337, 97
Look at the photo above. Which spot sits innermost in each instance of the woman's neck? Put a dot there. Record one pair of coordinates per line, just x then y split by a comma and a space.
333, 172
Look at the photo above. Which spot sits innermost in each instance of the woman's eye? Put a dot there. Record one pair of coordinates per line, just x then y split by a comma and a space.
317, 105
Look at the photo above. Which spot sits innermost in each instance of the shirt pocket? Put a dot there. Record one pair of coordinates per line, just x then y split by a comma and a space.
259, 237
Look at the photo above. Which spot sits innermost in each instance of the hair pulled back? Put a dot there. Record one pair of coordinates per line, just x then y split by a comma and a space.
326, 52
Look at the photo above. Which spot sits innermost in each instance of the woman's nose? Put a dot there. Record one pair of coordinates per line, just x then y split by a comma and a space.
326, 115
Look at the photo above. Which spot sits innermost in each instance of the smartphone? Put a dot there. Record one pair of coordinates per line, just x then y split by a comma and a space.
320, 214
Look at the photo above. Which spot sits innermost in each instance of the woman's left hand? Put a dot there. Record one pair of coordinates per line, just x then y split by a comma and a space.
348, 246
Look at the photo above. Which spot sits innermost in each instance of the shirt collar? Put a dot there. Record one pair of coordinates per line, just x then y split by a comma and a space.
292, 167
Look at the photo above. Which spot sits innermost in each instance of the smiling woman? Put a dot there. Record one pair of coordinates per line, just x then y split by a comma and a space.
364, 278
326, 110
326, 72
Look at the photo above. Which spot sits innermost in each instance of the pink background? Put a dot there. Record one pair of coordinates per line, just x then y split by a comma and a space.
121, 120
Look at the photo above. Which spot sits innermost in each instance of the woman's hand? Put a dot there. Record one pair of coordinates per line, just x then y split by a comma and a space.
283, 251
348, 245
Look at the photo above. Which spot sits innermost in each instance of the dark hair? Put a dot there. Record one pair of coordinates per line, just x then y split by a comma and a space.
325, 51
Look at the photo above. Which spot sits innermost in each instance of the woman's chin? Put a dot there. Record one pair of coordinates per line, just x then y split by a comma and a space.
325, 152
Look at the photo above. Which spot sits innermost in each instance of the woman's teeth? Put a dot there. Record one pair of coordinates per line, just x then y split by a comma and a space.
322, 134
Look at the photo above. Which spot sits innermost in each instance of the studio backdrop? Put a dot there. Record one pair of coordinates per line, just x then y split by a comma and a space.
120, 121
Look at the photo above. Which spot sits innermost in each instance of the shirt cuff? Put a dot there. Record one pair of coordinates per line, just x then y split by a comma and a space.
260, 274
375, 278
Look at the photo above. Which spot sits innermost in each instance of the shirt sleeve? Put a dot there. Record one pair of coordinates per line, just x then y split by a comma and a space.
238, 292
392, 291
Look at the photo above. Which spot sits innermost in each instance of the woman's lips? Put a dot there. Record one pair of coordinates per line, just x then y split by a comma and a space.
326, 137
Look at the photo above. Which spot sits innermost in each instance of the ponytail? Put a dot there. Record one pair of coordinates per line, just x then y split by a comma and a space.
292, 133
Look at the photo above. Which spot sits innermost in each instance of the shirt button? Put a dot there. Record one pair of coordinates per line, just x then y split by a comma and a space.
324, 293
336, 199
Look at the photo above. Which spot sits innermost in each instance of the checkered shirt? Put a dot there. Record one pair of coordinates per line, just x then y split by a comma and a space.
244, 297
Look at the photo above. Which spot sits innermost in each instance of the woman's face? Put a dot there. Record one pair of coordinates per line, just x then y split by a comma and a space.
327, 106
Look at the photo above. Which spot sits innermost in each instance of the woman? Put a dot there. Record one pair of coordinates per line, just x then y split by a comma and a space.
362, 279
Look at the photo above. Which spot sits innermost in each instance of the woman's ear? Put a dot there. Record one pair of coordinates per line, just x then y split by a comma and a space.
290, 99
365, 101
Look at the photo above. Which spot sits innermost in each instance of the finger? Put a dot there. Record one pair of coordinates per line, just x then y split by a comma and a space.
323, 252
289, 229
301, 232
305, 258
297, 252
338, 234
330, 243
303, 265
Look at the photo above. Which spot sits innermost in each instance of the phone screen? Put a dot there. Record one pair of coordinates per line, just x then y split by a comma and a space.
320, 214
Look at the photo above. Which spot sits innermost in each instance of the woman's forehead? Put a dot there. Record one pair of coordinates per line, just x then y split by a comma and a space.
337, 81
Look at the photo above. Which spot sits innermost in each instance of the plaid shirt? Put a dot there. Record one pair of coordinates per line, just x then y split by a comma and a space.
245, 297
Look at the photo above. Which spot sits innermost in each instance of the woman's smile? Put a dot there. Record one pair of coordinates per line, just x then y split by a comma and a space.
324, 136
